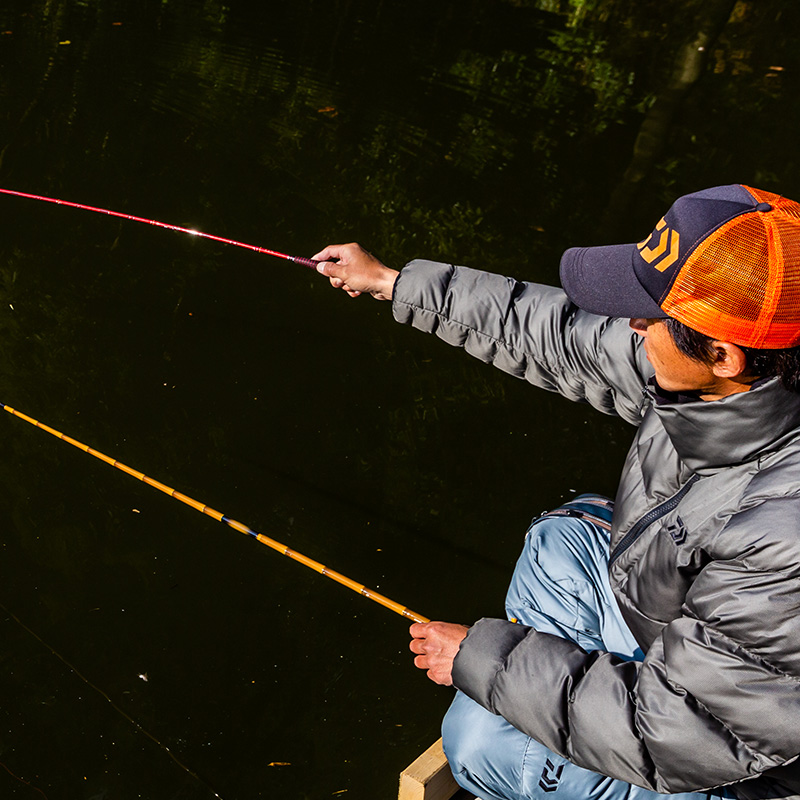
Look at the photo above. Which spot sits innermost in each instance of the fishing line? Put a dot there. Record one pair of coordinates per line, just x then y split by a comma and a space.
285, 550
306, 262
110, 701
22, 780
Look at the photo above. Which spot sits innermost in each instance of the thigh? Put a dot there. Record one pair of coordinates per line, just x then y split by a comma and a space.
560, 584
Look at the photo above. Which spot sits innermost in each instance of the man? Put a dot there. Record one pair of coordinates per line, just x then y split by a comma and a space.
658, 651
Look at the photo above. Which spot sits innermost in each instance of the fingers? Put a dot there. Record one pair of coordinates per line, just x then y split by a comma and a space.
351, 268
338, 283
419, 630
435, 645
337, 251
428, 652
338, 262
419, 644
343, 254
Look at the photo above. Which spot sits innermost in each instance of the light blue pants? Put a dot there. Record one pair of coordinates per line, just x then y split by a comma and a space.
560, 586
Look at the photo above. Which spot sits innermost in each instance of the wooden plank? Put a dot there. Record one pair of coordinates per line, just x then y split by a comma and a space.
429, 777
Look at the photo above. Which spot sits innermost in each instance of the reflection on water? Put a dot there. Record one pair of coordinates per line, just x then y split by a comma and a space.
490, 134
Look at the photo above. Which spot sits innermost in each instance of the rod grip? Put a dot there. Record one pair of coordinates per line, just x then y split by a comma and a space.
305, 262
309, 262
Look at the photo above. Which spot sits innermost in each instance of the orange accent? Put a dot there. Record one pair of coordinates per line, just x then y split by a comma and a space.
238, 526
275, 545
203, 509
232, 523
344, 580
213, 513
94, 453
757, 302
668, 238
162, 487
133, 472
305, 561
650, 254
75, 443
672, 255
50, 430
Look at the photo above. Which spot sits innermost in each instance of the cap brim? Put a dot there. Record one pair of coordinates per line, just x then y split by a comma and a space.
601, 280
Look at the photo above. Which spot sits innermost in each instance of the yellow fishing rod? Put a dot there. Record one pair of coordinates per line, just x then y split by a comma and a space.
232, 523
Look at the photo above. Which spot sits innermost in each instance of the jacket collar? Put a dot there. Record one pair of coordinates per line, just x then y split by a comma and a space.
708, 435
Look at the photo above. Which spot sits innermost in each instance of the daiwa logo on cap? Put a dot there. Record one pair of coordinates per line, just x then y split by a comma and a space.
724, 261
660, 248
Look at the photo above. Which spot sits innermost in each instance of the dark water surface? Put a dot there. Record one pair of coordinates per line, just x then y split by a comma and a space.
491, 133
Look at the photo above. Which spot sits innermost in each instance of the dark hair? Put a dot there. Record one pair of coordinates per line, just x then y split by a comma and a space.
784, 364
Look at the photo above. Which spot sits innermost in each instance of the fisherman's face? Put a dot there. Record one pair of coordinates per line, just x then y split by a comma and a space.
675, 371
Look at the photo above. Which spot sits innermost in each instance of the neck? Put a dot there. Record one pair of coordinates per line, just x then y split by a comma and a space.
725, 387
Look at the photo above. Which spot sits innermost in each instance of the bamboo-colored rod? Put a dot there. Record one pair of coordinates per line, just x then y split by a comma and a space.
232, 523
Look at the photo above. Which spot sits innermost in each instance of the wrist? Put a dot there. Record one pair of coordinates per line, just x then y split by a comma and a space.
387, 281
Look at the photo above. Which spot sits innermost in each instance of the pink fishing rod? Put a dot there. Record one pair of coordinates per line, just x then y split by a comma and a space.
306, 262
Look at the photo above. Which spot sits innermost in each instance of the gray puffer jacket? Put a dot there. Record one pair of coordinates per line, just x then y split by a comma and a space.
705, 559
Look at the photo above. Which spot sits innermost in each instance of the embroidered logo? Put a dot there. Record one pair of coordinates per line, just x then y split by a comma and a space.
660, 248
551, 776
677, 530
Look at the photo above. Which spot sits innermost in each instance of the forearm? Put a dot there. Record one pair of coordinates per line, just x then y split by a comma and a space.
529, 330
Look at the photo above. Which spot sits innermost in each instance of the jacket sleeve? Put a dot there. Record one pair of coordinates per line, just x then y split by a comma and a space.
528, 330
717, 698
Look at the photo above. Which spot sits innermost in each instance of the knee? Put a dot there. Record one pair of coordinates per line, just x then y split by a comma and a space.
479, 744
464, 734
485, 752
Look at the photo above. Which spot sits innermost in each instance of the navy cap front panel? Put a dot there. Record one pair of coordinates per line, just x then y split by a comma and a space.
600, 280
658, 259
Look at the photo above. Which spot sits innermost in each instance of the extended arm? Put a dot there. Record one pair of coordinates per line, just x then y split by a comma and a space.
529, 330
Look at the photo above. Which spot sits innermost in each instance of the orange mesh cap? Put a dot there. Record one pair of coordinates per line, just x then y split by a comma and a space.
724, 261
742, 283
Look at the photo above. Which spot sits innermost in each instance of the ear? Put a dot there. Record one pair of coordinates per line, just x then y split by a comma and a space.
731, 361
